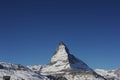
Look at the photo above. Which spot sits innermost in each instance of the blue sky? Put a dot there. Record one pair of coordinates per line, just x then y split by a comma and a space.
30, 31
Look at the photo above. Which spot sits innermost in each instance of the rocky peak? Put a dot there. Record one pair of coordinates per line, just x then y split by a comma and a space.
62, 47
61, 54
63, 61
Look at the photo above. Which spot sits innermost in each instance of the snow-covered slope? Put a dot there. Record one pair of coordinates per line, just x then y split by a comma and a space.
117, 72
35, 68
109, 74
65, 65
18, 72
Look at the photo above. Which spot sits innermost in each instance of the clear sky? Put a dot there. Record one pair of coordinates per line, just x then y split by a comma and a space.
30, 31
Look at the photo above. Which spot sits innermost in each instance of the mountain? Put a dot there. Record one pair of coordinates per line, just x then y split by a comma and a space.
62, 66
62, 61
109, 74
66, 66
18, 72
35, 68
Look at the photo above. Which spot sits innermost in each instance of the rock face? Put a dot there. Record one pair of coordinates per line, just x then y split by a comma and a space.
66, 66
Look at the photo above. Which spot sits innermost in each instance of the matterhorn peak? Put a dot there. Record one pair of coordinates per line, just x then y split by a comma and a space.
62, 48
61, 43
61, 53
63, 61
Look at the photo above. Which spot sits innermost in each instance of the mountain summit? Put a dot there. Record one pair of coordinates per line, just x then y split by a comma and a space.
62, 61
61, 54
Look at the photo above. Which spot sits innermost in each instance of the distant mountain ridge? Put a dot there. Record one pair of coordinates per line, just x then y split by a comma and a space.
19, 72
109, 74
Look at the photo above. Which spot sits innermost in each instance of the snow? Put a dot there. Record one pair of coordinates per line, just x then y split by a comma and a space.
15, 73
105, 72
61, 54
56, 68
35, 68
82, 77
108, 74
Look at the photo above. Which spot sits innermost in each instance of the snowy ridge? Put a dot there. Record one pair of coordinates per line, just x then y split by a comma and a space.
35, 68
109, 74
18, 72
105, 72
9, 66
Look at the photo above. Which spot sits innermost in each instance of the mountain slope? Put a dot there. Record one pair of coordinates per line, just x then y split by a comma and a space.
35, 68
109, 74
18, 72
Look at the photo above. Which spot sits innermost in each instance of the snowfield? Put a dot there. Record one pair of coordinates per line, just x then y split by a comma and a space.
18, 72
